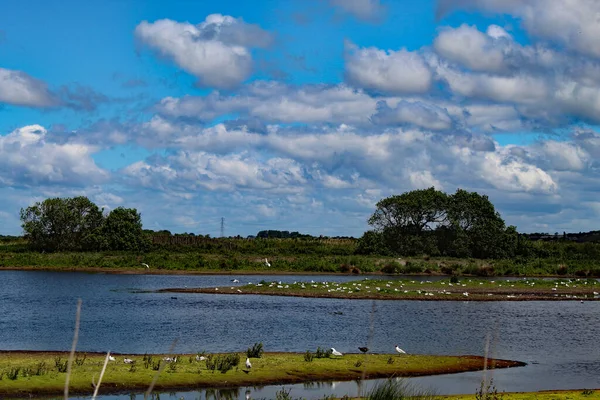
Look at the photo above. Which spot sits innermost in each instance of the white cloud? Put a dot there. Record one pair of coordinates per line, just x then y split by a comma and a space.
18, 88
425, 115
571, 23
28, 158
393, 72
216, 51
469, 47
277, 102
368, 10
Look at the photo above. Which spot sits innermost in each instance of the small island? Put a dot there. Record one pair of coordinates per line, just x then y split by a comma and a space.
463, 289
27, 373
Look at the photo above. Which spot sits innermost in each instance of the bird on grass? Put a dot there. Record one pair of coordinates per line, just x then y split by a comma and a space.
200, 358
146, 265
128, 361
335, 352
267, 263
399, 350
363, 349
248, 365
111, 358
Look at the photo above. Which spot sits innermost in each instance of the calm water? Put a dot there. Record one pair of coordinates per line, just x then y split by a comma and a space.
557, 339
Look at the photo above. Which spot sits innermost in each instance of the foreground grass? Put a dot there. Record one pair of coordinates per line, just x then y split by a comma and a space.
543, 395
406, 289
37, 373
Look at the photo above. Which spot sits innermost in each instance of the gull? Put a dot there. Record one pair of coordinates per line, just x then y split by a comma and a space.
235, 281
335, 352
267, 263
248, 365
146, 265
200, 358
399, 350
128, 361
111, 358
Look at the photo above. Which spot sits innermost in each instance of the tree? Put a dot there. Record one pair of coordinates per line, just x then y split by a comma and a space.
123, 230
407, 220
59, 224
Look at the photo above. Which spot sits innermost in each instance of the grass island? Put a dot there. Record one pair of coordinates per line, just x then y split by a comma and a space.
26, 373
463, 289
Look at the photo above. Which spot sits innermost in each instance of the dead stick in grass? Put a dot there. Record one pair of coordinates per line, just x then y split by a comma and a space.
72, 354
97, 387
160, 368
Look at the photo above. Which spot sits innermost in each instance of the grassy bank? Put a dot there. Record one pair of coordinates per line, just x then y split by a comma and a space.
163, 262
37, 373
205, 255
459, 289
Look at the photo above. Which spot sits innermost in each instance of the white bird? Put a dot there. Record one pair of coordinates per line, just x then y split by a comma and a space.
200, 358
235, 281
335, 352
399, 350
146, 265
128, 361
248, 365
111, 358
267, 263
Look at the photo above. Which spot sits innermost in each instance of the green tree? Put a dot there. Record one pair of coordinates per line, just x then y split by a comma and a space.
476, 224
123, 230
407, 221
59, 224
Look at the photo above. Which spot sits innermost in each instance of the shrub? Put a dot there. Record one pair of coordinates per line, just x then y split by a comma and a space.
487, 392
13, 373
60, 365
392, 267
255, 351
397, 390
308, 356
322, 353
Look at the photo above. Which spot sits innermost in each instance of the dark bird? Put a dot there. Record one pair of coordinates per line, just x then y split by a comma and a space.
363, 349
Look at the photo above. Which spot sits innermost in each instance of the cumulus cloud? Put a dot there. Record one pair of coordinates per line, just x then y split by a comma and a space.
367, 10
393, 72
216, 51
428, 116
571, 23
28, 157
277, 102
18, 88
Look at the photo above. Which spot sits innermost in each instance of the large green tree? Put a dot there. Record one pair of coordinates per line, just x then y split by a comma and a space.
123, 230
59, 224
464, 224
406, 221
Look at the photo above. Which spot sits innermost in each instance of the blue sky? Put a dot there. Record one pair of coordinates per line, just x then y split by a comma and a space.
300, 114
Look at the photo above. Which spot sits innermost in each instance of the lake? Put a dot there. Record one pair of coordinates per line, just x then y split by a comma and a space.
557, 339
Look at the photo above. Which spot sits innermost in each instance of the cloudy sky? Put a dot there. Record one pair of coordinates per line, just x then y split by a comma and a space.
300, 114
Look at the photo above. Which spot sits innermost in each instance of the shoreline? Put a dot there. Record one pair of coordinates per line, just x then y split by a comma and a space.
156, 271
188, 374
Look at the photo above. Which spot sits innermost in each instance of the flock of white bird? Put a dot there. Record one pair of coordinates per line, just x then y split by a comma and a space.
248, 363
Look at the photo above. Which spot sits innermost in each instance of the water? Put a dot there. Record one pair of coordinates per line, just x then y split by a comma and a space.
557, 339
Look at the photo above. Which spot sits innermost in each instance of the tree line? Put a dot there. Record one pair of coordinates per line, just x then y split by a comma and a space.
420, 222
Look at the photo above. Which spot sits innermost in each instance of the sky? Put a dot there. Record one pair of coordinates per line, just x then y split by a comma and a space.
300, 115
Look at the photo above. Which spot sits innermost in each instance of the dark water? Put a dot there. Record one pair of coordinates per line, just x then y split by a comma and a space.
557, 339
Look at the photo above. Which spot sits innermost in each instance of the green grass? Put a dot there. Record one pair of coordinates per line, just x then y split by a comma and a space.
543, 395
271, 368
406, 289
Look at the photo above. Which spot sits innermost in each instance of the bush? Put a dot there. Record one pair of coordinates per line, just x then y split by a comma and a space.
392, 267
255, 351
308, 356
